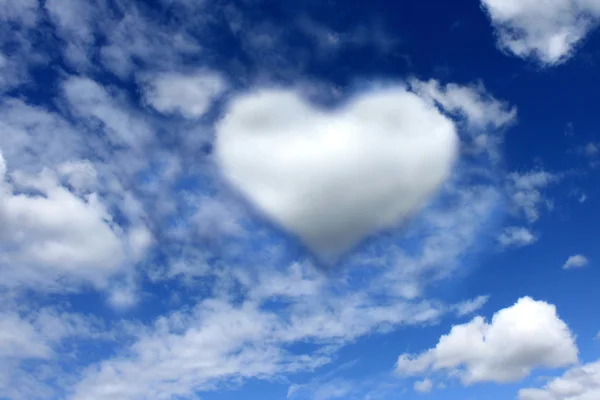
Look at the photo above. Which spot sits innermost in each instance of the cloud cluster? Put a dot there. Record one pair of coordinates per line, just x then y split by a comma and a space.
578, 383
33, 343
99, 194
518, 339
547, 32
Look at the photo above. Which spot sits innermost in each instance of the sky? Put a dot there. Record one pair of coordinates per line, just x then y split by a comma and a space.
303, 200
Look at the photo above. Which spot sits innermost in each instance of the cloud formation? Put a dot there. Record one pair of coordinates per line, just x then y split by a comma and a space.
187, 94
576, 261
547, 32
516, 237
578, 383
518, 339
332, 178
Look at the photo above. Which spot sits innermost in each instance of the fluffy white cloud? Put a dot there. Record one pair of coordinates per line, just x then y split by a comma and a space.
50, 234
332, 178
576, 261
187, 94
516, 237
578, 383
527, 335
547, 31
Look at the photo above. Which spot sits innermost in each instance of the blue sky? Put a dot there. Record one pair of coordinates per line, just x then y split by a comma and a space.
299, 200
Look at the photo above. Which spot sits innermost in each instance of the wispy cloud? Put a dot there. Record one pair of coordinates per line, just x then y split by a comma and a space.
576, 261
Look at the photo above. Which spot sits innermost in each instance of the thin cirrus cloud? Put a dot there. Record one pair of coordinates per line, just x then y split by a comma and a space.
547, 32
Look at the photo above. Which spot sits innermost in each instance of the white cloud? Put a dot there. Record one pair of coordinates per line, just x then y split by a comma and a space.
547, 31
19, 339
516, 237
578, 383
134, 40
576, 261
81, 175
473, 103
120, 124
423, 386
470, 306
188, 352
32, 338
33, 138
55, 235
332, 178
526, 192
519, 338
187, 94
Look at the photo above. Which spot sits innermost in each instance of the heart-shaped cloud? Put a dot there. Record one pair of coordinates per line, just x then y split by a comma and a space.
334, 177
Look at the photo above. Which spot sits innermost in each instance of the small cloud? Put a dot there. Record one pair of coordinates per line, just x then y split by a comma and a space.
189, 95
516, 237
470, 306
423, 386
576, 261
122, 298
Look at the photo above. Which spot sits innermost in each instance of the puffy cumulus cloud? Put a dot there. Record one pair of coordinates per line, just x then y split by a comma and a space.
187, 94
545, 31
519, 338
576, 261
515, 236
578, 383
49, 233
332, 178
